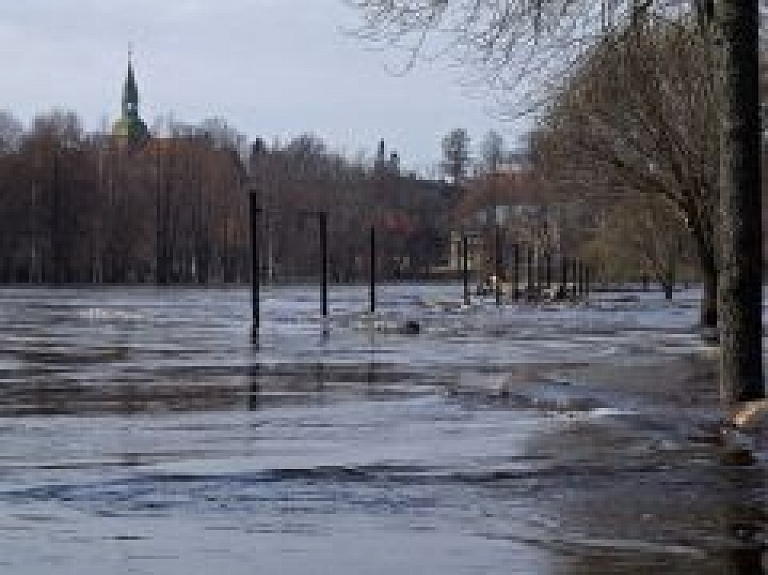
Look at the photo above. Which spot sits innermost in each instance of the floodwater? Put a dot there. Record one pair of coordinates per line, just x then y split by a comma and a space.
144, 431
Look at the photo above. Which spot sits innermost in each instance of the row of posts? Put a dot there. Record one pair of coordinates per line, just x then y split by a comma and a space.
575, 275
256, 215
580, 278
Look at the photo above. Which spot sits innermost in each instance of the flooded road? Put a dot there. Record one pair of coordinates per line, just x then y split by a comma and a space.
143, 431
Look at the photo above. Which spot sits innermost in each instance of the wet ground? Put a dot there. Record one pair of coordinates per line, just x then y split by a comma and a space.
144, 431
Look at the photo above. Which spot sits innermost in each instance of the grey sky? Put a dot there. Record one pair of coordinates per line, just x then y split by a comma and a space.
272, 68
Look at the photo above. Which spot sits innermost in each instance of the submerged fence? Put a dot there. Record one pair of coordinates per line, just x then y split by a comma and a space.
507, 280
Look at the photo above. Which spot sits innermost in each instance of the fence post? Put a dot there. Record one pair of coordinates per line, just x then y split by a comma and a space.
548, 259
373, 270
531, 287
323, 216
465, 267
255, 264
564, 275
499, 265
516, 254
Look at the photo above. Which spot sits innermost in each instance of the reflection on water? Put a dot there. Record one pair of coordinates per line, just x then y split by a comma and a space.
143, 431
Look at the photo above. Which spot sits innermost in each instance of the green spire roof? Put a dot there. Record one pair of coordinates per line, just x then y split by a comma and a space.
130, 124
130, 91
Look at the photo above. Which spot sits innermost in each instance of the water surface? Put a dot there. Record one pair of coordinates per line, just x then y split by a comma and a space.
144, 431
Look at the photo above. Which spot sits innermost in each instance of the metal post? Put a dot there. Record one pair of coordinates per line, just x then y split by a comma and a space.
575, 278
564, 275
323, 216
498, 266
373, 270
548, 258
255, 263
465, 269
516, 255
530, 272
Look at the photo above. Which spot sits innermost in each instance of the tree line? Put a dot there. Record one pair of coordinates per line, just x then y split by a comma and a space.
88, 208
85, 208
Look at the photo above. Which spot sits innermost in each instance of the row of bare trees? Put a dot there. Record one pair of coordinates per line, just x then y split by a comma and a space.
411, 215
635, 129
79, 208
84, 208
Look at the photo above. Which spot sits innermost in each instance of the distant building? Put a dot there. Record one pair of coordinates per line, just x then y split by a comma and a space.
130, 130
383, 166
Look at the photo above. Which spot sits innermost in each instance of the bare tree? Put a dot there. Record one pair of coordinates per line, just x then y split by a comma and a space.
493, 152
635, 120
641, 236
10, 132
456, 155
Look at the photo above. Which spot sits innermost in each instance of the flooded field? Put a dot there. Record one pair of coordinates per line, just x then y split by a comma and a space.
144, 431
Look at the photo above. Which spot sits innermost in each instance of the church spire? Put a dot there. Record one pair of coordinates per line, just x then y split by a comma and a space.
130, 91
130, 126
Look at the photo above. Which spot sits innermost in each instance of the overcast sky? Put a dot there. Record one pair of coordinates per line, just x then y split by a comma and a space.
272, 68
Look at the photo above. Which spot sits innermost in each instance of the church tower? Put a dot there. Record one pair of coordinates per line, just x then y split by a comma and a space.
130, 127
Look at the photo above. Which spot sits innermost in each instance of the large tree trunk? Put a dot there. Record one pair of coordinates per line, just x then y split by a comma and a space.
740, 269
708, 310
703, 231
